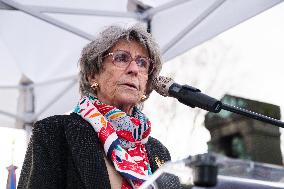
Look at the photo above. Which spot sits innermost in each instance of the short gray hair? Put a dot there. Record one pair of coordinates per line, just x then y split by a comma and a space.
92, 54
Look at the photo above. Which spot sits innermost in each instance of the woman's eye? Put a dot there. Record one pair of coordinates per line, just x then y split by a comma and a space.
142, 62
121, 58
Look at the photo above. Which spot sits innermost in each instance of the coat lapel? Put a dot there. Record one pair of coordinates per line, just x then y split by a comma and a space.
87, 153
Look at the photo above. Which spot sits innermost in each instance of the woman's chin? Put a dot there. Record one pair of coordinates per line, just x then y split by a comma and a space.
128, 99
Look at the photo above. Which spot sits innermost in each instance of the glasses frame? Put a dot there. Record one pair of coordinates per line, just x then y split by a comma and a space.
151, 66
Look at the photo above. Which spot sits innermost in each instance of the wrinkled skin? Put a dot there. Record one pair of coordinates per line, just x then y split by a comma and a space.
122, 87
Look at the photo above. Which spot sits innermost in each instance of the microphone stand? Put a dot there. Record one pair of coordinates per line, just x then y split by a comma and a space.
252, 115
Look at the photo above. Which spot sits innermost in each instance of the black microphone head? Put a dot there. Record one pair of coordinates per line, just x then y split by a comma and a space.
162, 84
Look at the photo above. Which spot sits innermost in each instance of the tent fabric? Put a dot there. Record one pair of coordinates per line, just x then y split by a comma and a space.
42, 41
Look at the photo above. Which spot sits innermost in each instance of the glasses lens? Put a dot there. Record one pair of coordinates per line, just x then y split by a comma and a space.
143, 62
121, 58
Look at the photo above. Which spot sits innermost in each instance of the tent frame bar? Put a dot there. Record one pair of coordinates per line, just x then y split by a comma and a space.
60, 10
32, 85
11, 87
11, 115
151, 12
5, 6
55, 99
74, 77
193, 25
48, 19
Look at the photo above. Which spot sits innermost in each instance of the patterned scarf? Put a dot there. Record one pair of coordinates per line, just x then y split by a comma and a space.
122, 136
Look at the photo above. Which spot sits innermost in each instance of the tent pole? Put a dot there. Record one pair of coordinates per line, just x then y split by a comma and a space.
26, 106
29, 111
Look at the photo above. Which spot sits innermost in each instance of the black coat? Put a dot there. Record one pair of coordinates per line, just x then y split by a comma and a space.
65, 152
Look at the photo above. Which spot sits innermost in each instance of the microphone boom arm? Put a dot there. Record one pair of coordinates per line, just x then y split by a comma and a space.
193, 97
253, 115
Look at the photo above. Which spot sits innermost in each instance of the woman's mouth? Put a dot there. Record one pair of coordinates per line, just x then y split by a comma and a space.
131, 86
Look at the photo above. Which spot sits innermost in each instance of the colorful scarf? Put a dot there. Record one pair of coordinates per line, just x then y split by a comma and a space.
122, 136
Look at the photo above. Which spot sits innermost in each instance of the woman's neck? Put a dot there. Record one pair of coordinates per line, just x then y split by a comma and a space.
127, 108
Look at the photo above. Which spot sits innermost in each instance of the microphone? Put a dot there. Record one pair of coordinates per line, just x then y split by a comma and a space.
186, 94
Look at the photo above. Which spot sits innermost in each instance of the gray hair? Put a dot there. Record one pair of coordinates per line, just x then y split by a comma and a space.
92, 54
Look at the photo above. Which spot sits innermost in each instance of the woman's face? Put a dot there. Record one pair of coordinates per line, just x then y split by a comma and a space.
122, 87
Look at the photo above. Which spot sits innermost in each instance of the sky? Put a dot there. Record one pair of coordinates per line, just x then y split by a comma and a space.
246, 61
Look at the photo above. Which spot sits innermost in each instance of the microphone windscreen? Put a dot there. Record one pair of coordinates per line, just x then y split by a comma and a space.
162, 84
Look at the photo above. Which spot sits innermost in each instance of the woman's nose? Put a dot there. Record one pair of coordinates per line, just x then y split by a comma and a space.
133, 67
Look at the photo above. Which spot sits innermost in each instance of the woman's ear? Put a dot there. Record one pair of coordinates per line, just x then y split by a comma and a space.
91, 79
94, 84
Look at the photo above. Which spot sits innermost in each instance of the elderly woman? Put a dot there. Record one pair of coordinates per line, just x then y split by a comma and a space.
105, 142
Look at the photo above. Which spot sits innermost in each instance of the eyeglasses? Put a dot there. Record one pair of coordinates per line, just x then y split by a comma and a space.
122, 59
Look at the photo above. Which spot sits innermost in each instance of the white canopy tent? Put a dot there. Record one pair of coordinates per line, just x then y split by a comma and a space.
40, 43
